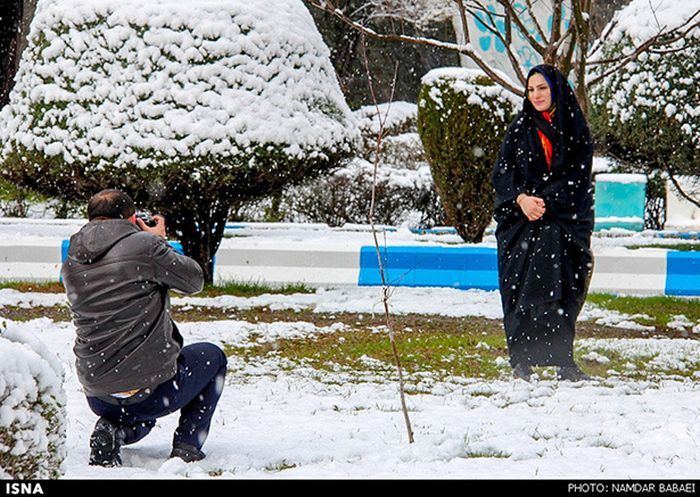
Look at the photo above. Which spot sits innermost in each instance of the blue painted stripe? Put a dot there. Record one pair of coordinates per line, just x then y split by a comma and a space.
66, 243
691, 235
64, 250
454, 267
434, 231
682, 273
445, 230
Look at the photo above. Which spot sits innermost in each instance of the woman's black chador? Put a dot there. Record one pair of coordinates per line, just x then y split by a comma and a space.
545, 265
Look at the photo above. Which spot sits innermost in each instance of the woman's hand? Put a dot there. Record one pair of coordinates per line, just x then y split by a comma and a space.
532, 207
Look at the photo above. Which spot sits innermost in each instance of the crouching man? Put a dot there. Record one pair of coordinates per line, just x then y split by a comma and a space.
130, 358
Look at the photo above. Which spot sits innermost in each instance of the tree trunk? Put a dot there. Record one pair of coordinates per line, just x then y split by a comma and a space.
655, 202
10, 30
15, 19
200, 233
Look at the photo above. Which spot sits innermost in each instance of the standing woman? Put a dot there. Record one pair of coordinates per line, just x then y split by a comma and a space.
544, 210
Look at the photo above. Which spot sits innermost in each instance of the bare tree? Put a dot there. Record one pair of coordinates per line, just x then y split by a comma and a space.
386, 289
570, 48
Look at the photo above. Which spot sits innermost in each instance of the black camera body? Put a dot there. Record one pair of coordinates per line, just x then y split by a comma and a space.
147, 218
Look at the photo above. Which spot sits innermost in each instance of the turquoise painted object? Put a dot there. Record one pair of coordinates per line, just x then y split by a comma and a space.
619, 201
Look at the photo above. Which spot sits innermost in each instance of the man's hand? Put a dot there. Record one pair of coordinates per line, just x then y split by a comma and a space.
158, 229
532, 207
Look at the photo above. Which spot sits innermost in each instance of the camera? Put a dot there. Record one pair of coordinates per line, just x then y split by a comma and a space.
147, 218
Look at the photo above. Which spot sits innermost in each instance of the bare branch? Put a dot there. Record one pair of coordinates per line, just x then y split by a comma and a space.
463, 20
679, 189
602, 40
537, 47
566, 62
556, 20
463, 49
514, 62
538, 26
660, 39
569, 33
509, 29
581, 10
623, 62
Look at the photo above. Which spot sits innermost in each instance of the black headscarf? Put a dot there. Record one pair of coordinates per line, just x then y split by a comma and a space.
568, 131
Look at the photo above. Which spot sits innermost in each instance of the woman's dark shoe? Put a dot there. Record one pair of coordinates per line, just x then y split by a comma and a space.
104, 444
187, 453
522, 372
572, 373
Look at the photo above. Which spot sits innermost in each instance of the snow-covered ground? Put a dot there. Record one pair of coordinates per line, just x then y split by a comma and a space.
367, 300
282, 420
277, 419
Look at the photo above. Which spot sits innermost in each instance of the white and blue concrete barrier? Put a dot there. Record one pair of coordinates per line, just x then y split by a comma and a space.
616, 270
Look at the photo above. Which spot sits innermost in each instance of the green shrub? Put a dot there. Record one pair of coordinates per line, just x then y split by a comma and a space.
462, 120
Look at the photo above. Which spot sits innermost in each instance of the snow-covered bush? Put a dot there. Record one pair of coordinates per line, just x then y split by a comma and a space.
401, 144
462, 119
189, 106
32, 407
649, 111
404, 194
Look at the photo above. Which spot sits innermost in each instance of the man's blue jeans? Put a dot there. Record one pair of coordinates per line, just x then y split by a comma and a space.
194, 391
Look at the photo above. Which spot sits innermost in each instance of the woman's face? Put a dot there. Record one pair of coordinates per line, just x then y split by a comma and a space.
538, 92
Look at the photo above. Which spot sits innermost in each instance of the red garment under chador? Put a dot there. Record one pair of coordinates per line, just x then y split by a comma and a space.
546, 144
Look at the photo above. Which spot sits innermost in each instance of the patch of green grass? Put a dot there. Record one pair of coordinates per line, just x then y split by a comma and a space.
56, 313
282, 466
252, 289
617, 363
471, 352
686, 247
33, 286
640, 369
485, 454
661, 309
236, 288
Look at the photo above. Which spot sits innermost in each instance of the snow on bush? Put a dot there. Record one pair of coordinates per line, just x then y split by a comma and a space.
476, 86
462, 119
393, 117
658, 91
404, 196
131, 83
189, 106
32, 407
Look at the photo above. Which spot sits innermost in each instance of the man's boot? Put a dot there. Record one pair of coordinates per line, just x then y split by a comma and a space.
187, 453
104, 444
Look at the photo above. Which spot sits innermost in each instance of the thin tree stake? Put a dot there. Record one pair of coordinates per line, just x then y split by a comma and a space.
386, 290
